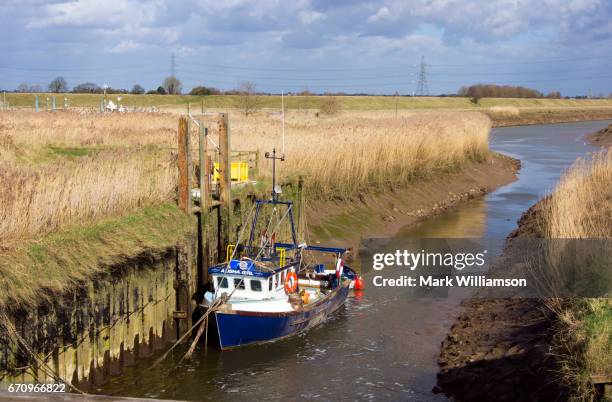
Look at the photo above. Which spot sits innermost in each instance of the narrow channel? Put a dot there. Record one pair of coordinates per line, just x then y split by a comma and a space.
382, 344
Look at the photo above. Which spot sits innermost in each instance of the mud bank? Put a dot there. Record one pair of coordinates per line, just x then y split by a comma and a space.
601, 138
550, 116
499, 349
386, 213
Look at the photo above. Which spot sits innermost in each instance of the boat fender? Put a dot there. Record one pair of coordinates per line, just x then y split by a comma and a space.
359, 285
291, 282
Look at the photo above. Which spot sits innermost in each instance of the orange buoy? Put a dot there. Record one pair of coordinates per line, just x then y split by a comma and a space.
359, 285
291, 282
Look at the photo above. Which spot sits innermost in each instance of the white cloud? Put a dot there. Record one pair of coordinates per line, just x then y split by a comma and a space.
381, 14
95, 13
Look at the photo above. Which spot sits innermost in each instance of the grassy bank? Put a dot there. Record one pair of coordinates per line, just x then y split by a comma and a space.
580, 208
303, 102
32, 271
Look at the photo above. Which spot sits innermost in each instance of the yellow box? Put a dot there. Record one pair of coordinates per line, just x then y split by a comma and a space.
239, 171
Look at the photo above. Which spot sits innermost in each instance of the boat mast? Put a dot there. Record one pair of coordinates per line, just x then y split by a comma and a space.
274, 158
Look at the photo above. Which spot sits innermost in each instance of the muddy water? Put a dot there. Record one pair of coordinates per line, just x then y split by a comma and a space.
382, 344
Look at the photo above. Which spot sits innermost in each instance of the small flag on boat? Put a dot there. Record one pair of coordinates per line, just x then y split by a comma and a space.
339, 267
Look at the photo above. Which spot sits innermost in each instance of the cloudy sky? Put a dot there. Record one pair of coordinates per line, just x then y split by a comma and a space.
333, 45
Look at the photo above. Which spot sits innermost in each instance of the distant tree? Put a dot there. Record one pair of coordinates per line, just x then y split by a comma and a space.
554, 95
247, 98
35, 88
58, 85
137, 90
161, 90
111, 90
204, 91
23, 88
87, 88
172, 85
463, 91
152, 92
500, 91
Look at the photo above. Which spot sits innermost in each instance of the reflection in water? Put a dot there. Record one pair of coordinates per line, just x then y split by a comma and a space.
468, 221
382, 344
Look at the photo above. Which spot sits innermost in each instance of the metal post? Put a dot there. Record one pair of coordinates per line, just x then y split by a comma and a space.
36, 104
53, 104
274, 158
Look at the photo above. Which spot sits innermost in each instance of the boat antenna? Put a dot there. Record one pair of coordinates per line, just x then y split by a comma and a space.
283, 107
274, 158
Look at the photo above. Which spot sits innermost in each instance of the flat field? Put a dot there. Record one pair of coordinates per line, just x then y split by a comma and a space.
27, 100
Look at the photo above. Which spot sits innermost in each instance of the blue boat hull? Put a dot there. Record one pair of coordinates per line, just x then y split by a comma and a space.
240, 328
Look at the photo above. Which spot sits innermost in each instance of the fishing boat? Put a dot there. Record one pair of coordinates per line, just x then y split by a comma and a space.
268, 290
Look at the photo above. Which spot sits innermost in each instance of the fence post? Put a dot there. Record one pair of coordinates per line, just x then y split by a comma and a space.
36, 104
53, 104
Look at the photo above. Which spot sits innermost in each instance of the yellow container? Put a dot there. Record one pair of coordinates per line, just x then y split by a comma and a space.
239, 171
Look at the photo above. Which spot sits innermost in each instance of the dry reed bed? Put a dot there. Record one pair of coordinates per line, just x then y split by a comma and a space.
350, 154
581, 208
39, 199
128, 165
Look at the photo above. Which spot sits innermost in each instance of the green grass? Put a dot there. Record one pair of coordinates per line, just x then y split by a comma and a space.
32, 271
298, 102
596, 317
68, 152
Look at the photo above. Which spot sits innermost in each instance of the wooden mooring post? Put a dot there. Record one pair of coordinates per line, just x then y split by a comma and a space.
204, 241
225, 183
185, 185
184, 182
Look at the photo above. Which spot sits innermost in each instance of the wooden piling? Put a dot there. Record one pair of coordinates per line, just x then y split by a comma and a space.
204, 203
225, 202
184, 190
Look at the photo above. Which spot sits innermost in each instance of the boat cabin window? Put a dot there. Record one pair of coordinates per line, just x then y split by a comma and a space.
255, 285
271, 283
283, 276
222, 283
238, 283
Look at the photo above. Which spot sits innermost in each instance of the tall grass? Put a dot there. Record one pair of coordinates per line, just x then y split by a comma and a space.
581, 208
62, 168
344, 156
41, 198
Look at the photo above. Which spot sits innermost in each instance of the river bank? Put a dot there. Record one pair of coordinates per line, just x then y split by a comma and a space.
523, 117
601, 138
383, 214
537, 349
499, 349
